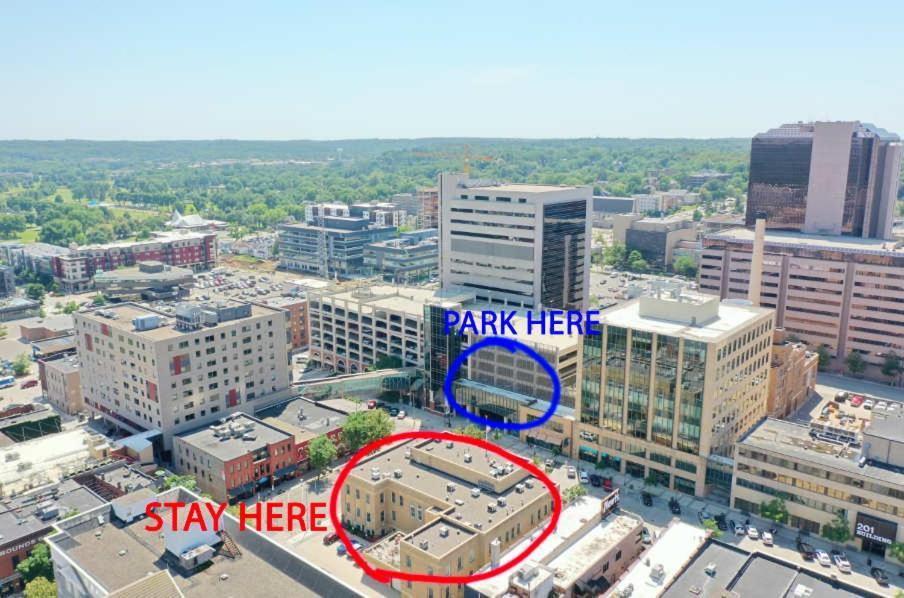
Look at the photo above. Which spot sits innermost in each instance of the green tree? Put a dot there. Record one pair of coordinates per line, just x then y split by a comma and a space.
839, 530
70, 307
614, 255
897, 550
472, 430
21, 364
40, 587
685, 266
186, 481
3, 331
38, 564
891, 366
321, 452
698, 215
774, 510
364, 427
712, 527
825, 356
636, 262
34, 291
388, 362
99, 299
855, 363
573, 493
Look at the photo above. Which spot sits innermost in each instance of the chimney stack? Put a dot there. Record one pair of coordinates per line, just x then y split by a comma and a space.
756, 260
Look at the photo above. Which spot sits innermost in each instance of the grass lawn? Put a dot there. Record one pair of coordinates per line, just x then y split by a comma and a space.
247, 259
29, 235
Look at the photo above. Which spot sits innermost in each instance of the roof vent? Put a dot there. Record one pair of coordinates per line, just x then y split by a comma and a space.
397, 473
424, 544
467, 457
123, 552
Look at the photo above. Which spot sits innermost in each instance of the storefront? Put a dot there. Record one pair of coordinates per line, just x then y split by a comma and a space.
875, 534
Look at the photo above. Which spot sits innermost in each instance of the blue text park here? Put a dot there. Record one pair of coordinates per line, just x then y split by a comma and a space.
501, 323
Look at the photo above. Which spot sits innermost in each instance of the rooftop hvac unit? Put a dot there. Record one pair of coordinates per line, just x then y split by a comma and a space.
529, 482
478, 525
374, 473
397, 473
467, 457
519, 488
500, 501
424, 545
249, 436
450, 487
443, 532
459, 502
475, 492
491, 507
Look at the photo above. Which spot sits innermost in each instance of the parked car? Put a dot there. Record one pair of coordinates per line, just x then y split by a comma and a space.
868, 404
841, 561
572, 472
841, 397
857, 400
739, 530
822, 557
881, 405
807, 552
753, 533
766, 537
704, 515
29, 383
595, 480
879, 575
393, 411
607, 483
401, 414
647, 499
550, 464
674, 506
645, 536
330, 538
341, 550
585, 479
371, 404
720, 522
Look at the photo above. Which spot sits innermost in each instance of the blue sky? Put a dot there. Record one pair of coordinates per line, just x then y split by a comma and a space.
329, 70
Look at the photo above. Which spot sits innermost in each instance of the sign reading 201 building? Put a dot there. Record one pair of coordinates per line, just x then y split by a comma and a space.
875, 529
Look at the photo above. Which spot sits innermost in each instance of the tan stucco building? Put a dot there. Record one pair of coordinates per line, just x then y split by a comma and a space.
792, 375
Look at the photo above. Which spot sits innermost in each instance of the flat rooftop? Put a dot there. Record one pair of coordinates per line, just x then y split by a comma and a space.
55, 344
744, 574
441, 536
522, 188
792, 239
673, 550
731, 318
302, 418
226, 447
793, 440
434, 482
20, 516
117, 555
407, 300
126, 312
558, 342
580, 557
168, 273
65, 365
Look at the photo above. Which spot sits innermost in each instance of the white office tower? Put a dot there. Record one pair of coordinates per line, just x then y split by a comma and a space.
515, 244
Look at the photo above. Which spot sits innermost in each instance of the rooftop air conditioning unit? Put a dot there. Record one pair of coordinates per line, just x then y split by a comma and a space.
443, 532
500, 501
424, 545
397, 473
467, 457
450, 487
450, 444
529, 482
491, 507
374, 473
459, 502
519, 488
475, 492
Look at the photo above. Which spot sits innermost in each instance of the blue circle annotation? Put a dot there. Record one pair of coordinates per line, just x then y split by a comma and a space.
513, 346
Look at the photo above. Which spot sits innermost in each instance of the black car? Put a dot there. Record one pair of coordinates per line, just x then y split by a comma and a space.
647, 499
674, 507
721, 523
879, 575
595, 480
393, 411
806, 550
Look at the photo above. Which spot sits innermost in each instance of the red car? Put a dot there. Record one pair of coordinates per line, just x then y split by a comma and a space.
330, 538
29, 384
371, 404
857, 400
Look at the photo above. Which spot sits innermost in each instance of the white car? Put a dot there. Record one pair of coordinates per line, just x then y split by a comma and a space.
739, 530
822, 557
402, 415
752, 533
585, 479
572, 472
842, 563
766, 537
868, 404
881, 405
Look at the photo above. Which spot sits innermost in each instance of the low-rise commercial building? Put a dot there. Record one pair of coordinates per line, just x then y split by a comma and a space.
61, 383
332, 248
839, 291
671, 382
654, 238
588, 551
39, 329
233, 459
175, 370
412, 257
454, 509
17, 308
26, 519
151, 281
306, 420
835, 467
107, 551
792, 375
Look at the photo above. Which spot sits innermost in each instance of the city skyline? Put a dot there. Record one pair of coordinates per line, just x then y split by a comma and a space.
317, 71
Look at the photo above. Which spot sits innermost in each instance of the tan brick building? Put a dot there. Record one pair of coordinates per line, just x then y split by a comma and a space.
792, 375
62, 384
453, 507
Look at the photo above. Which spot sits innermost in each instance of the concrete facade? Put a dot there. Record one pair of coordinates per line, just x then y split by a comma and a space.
518, 245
